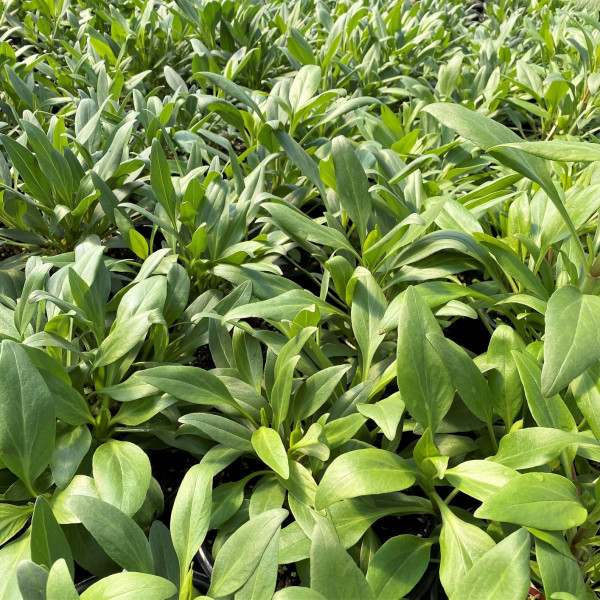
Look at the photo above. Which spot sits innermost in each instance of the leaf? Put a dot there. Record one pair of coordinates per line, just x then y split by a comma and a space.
541, 500
221, 429
316, 390
461, 546
466, 377
559, 569
270, 450
10, 556
32, 580
191, 384
280, 395
130, 586
504, 380
60, 586
333, 573
547, 412
570, 343
503, 572
12, 519
479, 478
361, 473
386, 413
366, 314
122, 474
160, 179
398, 566
423, 380
125, 336
263, 581
242, 552
53, 163
48, 542
283, 307
27, 419
532, 447
119, 536
231, 88
352, 185
191, 515
304, 86
492, 137
72, 444
297, 224
559, 150
301, 159
586, 391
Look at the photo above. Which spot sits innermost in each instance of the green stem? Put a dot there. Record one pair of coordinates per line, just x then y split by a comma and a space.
492, 436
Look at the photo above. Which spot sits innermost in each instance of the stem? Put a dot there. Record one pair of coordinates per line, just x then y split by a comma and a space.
492, 436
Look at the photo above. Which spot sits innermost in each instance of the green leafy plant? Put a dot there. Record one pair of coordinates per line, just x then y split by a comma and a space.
299, 300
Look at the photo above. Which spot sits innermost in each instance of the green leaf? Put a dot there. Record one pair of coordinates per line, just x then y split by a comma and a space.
366, 313
130, 586
119, 536
27, 419
570, 344
461, 546
423, 380
299, 225
492, 137
398, 566
504, 380
191, 515
51, 161
242, 552
160, 178
232, 89
361, 473
352, 185
125, 336
48, 542
122, 474
503, 572
10, 556
301, 159
221, 430
12, 519
333, 572
25, 310
316, 390
559, 150
191, 384
386, 413
559, 569
32, 580
72, 444
532, 447
541, 500
279, 397
263, 581
270, 450
466, 377
586, 391
548, 412
283, 307
60, 586
479, 478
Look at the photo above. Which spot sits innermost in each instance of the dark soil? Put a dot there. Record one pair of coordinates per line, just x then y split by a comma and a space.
471, 334
203, 359
10, 250
120, 253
